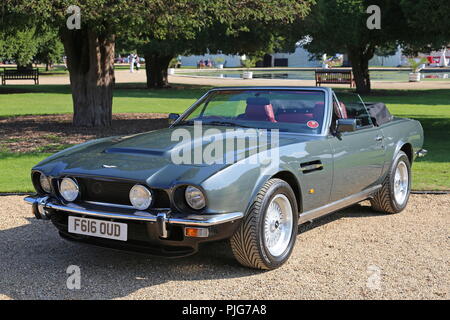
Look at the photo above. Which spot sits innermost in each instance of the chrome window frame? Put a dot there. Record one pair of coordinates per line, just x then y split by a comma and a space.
371, 125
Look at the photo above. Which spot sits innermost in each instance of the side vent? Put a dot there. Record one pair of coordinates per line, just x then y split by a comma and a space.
308, 167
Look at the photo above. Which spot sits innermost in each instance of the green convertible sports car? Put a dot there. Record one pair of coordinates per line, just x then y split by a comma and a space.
246, 164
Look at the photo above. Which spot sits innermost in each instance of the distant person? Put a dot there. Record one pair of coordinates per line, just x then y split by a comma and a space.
137, 63
132, 61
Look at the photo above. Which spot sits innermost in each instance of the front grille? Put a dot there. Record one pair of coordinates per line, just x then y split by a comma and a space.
116, 192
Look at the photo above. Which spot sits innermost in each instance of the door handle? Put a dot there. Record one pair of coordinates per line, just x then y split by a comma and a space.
379, 138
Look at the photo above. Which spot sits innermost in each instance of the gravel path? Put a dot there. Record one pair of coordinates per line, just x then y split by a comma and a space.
353, 254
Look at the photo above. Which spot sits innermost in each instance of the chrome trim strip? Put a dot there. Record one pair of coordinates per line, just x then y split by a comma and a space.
162, 221
334, 206
207, 220
122, 206
39, 208
194, 220
312, 167
114, 205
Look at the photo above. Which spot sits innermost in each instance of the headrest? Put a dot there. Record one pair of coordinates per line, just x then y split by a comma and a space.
260, 112
258, 101
319, 105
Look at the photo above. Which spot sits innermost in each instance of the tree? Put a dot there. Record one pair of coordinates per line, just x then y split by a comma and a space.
20, 47
31, 45
430, 16
49, 49
90, 50
340, 26
249, 27
25, 42
15, 38
430, 22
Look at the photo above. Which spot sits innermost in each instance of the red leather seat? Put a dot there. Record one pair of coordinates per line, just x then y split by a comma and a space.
340, 110
319, 111
259, 109
295, 117
343, 110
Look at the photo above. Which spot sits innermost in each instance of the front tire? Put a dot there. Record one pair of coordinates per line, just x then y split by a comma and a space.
394, 194
267, 234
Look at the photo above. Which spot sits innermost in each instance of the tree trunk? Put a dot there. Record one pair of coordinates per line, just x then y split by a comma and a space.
156, 66
359, 59
90, 61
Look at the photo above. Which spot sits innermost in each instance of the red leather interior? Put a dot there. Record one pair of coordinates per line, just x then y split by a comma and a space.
343, 110
259, 109
295, 117
319, 111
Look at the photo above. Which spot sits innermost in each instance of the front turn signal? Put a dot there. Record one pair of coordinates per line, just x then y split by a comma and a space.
196, 232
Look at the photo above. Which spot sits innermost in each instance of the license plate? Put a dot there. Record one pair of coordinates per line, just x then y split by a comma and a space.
98, 228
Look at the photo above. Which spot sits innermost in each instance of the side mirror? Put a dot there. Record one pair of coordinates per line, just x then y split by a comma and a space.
173, 117
346, 125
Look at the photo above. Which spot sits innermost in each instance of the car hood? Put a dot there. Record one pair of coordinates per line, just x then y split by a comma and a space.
149, 157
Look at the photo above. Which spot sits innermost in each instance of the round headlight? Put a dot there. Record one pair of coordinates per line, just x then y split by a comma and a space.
45, 183
140, 197
195, 198
69, 190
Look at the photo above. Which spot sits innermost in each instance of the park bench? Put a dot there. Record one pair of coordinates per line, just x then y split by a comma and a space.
335, 77
16, 74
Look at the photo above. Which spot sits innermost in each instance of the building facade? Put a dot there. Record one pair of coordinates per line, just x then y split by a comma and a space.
301, 58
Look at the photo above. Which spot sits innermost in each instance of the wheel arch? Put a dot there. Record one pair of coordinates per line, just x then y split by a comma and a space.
292, 180
408, 149
384, 200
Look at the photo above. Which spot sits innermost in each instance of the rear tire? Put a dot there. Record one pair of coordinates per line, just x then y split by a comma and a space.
267, 234
394, 194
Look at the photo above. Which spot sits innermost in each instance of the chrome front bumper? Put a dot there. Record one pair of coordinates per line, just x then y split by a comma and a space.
42, 207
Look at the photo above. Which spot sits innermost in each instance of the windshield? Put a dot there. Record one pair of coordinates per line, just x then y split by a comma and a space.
287, 110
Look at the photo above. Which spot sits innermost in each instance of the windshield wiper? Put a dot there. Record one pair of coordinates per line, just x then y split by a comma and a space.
214, 123
185, 123
226, 123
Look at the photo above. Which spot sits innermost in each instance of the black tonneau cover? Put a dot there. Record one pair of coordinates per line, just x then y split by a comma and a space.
379, 113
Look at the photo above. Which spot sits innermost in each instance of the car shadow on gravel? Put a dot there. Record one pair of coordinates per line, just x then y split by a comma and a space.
34, 262
360, 210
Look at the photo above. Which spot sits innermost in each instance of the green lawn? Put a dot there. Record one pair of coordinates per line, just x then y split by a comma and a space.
15, 168
56, 99
431, 107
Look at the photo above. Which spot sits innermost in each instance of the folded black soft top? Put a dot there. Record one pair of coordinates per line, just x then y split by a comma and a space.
379, 113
